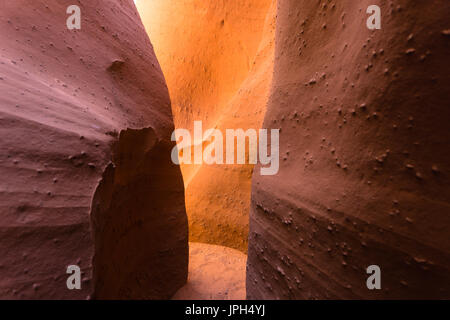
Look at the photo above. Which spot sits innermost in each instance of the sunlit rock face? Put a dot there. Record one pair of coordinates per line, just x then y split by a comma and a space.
86, 112
365, 170
217, 58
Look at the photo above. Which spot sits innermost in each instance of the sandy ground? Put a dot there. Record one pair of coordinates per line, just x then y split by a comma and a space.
215, 273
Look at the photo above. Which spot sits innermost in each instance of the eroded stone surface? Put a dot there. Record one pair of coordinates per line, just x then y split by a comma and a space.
67, 98
364, 138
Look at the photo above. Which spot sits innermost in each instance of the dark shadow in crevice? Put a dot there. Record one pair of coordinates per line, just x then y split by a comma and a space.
139, 221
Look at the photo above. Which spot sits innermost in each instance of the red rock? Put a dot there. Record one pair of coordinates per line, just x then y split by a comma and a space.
420, 90
86, 175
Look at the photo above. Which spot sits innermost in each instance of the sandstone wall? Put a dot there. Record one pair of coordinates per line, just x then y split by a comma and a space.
86, 112
364, 171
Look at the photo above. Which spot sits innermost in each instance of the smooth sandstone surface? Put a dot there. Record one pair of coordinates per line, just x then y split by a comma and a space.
364, 138
86, 175
217, 58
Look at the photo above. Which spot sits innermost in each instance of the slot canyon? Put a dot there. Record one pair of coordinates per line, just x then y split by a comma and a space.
87, 119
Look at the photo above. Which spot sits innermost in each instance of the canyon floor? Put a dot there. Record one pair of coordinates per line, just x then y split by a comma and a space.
215, 273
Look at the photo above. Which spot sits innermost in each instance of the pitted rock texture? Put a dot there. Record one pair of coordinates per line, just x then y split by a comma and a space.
86, 112
364, 142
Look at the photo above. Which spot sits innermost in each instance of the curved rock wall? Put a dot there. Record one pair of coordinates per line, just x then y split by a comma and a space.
67, 99
364, 170
217, 57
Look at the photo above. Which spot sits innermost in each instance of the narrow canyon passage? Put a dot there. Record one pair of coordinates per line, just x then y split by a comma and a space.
217, 59
91, 184
363, 166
